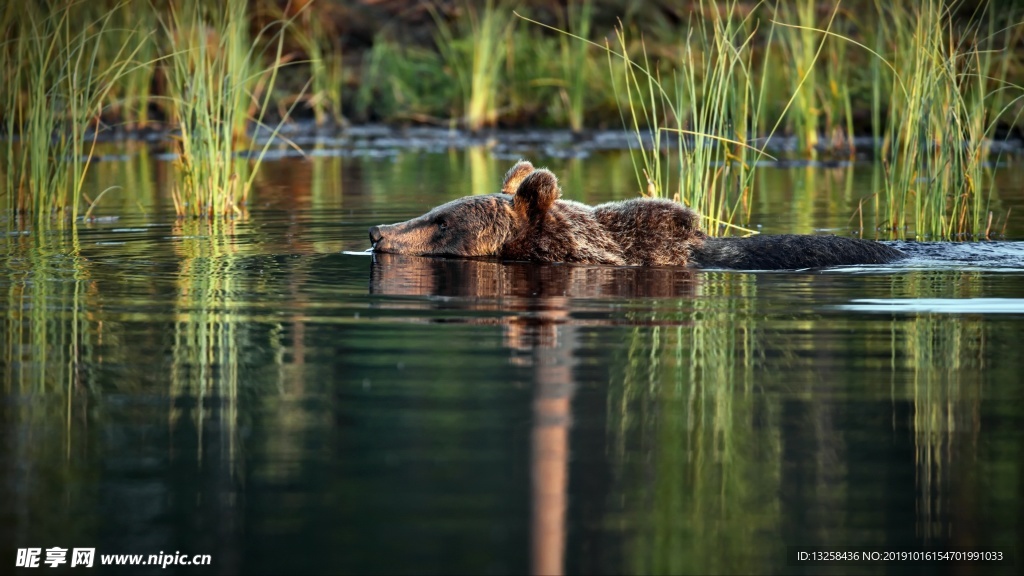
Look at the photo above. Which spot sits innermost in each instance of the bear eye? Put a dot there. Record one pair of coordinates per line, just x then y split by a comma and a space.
443, 225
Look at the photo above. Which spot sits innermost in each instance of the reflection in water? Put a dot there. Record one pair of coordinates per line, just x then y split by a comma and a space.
535, 302
51, 337
944, 357
945, 413
487, 282
205, 349
697, 450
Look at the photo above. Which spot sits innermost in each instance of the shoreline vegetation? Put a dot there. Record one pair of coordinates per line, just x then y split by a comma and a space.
702, 84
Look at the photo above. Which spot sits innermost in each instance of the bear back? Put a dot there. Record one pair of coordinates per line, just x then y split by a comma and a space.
652, 231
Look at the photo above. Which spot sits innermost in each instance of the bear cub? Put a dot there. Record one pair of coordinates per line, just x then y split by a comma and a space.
529, 221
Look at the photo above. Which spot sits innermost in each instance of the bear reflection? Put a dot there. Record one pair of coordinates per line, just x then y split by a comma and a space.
531, 299
541, 307
396, 274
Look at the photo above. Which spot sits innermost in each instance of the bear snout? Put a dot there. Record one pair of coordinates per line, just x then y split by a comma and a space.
375, 235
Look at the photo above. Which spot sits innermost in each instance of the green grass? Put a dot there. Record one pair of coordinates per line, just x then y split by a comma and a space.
129, 99
698, 121
801, 47
57, 75
404, 83
937, 183
704, 115
71, 66
473, 48
473, 67
319, 39
530, 75
945, 78
217, 83
574, 63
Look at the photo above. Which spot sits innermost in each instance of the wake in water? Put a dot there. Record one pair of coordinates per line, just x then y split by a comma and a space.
989, 256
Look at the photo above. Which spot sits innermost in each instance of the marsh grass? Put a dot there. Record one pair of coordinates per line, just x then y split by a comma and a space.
473, 48
801, 48
706, 110
70, 65
216, 84
703, 98
574, 62
709, 109
58, 73
946, 84
314, 32
935, 151
130, 98
404, 83
836, 99
327, 74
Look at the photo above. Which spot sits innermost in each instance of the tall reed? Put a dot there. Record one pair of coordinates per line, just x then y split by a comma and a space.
707, 112
315, 33
58, 69
327, 73
836, 99
216, 84
473, 48
133, 23
799, 45
936, 148
942, 118
574, 63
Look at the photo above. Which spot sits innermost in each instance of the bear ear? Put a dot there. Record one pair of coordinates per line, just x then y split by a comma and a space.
689, 219
515, 175
536, 194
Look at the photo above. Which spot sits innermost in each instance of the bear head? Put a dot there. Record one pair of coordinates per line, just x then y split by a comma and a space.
469, 226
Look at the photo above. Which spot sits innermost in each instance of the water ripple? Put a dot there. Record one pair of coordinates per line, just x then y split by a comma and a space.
938, 305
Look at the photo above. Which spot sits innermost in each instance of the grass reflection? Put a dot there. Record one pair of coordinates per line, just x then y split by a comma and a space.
707, 473
720, 420
945, 356
49, 327
205, 359
50, 337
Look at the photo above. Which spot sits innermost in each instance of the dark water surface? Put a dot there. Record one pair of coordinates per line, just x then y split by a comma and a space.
264, 397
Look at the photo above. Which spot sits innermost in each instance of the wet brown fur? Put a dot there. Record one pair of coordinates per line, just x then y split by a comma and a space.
534, 224
528, 221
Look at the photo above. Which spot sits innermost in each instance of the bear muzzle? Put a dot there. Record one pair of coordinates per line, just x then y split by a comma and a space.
392, 238
375, 235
